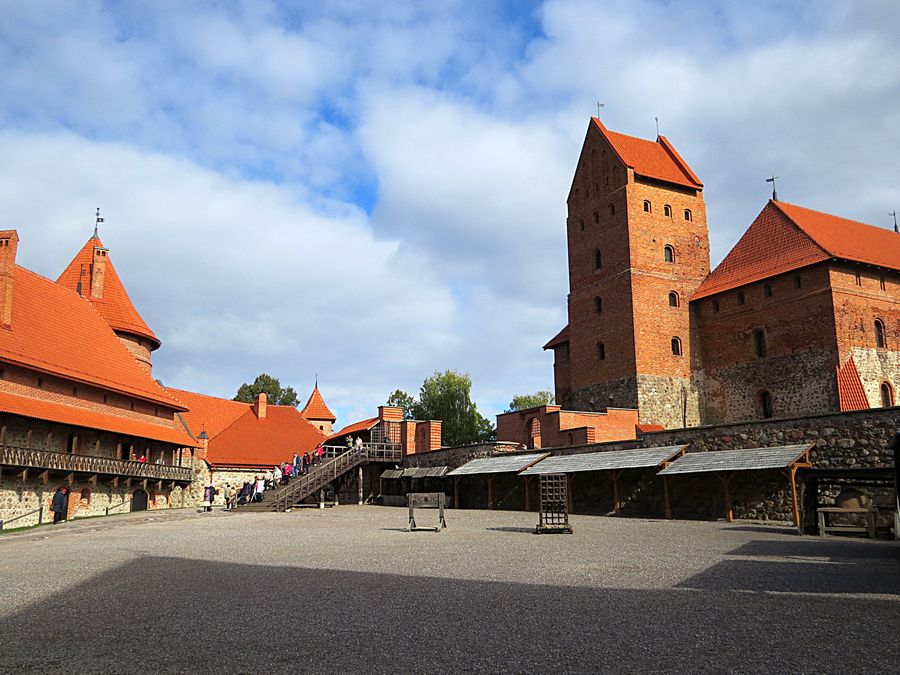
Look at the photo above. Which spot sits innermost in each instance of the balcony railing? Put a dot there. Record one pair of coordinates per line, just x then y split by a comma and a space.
30, 458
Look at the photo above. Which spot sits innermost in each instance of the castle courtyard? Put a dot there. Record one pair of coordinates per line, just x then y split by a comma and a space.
349, 590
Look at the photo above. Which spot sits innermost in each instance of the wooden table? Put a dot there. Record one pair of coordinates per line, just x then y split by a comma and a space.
825, 527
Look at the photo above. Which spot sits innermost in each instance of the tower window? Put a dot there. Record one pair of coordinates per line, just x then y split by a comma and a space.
880, 340
647, 207
881, 282
596, 217
40, 383
673, 299
887, 395
715, 306
612, 209
676, 346
798, 281
767, 289
598, 259
601, 351
669, 253
858, 279
581, 225
687, 215
75, 392
667, 211
759, 342
765, 404
741, 298
598, 304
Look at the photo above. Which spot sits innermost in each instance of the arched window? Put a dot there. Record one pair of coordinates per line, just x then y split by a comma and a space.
669, 253
598, 259
673, 299
759, 342
581, 225
647, 207
667, 211
598, 304
601, 351
765, 404
596, 217
612, 209
880, 341
676, 346
887, 395
687, 215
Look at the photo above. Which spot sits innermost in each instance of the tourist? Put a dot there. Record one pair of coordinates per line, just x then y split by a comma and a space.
260, 488
276, 475
209, 494
226, 491
359, 443
58, 505
143, 459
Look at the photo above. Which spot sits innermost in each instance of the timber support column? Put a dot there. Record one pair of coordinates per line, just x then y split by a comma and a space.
527, 495
616, 501
490, 495
359, 484
456, 492
668, 504
570, 496
321, 498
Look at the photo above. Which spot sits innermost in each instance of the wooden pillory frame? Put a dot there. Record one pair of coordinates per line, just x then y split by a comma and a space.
426, 500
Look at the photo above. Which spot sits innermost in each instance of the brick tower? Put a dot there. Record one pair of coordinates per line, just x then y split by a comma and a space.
638, 248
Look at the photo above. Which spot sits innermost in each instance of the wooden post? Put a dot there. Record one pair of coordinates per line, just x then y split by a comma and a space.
527, 495
490, 486
729, 513
615, 481
321, 498
668, 505
570, 490
793, 475
45, 477
456, 492
70, 479
359, 484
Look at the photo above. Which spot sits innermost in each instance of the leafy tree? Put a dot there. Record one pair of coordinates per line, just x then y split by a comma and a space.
400, 399
526, 401
275, 394
447, 397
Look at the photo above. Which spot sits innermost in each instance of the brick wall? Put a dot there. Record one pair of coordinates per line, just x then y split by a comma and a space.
550, 426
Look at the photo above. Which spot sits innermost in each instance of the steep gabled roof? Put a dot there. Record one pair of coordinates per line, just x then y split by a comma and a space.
363, 425
253, 442
55, 331
208, 413
560, 338
315, 408
115, 306
851, 393
653, 159
785, 237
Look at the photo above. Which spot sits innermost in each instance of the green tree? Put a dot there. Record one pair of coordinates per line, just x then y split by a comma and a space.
447, 397
526, 401
275, 393
400, 399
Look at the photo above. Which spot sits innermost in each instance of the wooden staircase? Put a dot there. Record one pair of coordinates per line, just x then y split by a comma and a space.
340, 462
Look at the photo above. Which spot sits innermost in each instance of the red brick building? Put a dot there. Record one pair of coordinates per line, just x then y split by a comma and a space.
550, 426
802, 302
389, 427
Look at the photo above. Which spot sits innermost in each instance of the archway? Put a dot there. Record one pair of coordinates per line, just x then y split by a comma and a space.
139, 501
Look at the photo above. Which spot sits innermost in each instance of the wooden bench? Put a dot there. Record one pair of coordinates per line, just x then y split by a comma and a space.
825, 527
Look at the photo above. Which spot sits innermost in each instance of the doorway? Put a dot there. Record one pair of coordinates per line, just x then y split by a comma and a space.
139, 501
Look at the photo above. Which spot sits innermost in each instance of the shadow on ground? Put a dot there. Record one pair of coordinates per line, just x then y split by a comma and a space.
160, 614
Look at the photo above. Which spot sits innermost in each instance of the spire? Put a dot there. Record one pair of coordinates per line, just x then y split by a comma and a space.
316, 408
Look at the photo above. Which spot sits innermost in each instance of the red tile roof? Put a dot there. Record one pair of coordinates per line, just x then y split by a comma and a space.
851, 394
657, 159
363, 425
560, 338
315, 408
168, 431
645, 428
252, 442
208, 413
115, 306
785, 237
55, 331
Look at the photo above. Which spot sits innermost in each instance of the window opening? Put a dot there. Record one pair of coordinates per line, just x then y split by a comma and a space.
598, 304
880, 340
765, 403
887, 395
669, 253
601, 351
667, 211
673, 299
759, 340
647, 207
676, 346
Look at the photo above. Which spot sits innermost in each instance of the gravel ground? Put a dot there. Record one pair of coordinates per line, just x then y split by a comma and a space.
349, 590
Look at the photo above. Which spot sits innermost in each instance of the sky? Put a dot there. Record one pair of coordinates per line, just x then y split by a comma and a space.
374, 191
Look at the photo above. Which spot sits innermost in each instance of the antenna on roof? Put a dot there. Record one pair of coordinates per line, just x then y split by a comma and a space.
772, 179
599, 105
657, 126
894, 213
97, 222
317, 380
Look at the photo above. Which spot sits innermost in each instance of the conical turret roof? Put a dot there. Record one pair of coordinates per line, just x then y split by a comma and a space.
115, 306
315, 408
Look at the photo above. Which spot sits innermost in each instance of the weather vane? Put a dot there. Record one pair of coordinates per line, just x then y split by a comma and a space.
771, 179
599, 105
97, 222
894, 213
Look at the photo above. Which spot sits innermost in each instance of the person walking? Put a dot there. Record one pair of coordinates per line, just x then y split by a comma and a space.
226, 491
209, 494
58, 505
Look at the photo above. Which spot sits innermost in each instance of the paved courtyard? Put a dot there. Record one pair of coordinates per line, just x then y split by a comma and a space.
348, 590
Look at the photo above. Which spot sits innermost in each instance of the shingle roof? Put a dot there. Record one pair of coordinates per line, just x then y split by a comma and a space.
499, 464
653, 159
115, 306
363, 425
851, 394
605, 461
786, 237
315, 408
55, 331
751, 459
253, 442
560, 338
168, 431
208, 413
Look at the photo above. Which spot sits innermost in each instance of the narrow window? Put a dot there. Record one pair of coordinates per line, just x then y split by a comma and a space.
798, 281
612, 209
687, 215
880, 342
601, 351
765, 404
105, 399
40, 383
768, 290
596, 217
759, 341
881, 281
715, 306
667, 211
887, 395
673, 299
132, 405
598, 259
647, 207
598, 304
581, 225
676, 346
75, 392
741, 298
858, 279
669, 253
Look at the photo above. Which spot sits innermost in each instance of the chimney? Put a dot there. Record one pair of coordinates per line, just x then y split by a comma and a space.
98, 272
259, 406
9, 243
391, 413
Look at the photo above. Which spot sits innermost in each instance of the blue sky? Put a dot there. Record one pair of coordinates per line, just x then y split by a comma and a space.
375, 191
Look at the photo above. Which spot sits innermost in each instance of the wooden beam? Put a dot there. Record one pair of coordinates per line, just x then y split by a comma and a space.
115, 482
794, 505
456, 492
24, 475
668, 504
93, 480
729, 511
70, 479
128, 483
144, 485
527, 495
45, 477
490, 485
616, 501
570, 493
